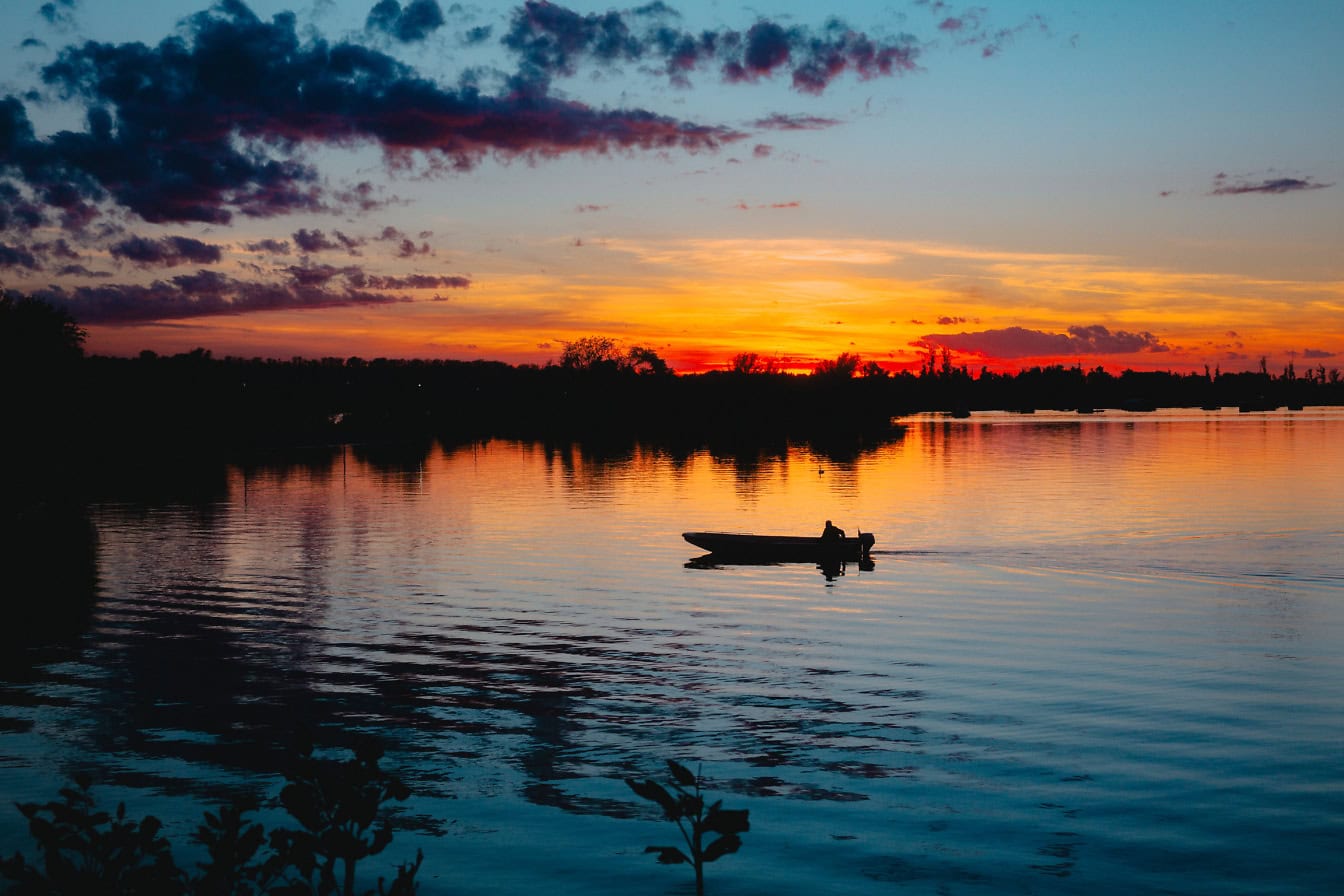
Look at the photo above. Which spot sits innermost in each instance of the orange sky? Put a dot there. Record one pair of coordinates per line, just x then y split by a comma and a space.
1001, 181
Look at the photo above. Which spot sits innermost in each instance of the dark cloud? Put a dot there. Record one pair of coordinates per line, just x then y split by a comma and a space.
952, 321
57, 248
270, 246
167, 252
414, 22
552, 40
1315, 354
783, 122
1018, 342
1223, 185
78, 270
316, 241
207, 293
216, 122
477, 35
408, 249
59, 13
18, 257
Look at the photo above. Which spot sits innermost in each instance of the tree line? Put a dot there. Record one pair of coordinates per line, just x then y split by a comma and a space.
61, 401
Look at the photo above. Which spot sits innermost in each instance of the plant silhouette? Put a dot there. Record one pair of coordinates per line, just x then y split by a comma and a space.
685, 805
86, 850
339, 806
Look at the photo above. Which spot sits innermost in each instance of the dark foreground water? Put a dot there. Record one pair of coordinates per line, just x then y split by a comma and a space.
1094, 655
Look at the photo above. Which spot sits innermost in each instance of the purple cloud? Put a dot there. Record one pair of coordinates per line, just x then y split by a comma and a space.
269, 246
313, 241
1018, 342
780, 121
1225, 186
217, 122
167, 252
207, 293
552, 40
17, 257
408, 249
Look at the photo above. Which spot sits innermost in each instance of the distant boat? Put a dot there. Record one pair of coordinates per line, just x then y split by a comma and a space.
781, 548
1210, 407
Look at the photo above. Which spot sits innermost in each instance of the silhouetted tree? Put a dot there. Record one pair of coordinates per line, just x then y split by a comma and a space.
35, 335
643, 359
589, 352
844, 366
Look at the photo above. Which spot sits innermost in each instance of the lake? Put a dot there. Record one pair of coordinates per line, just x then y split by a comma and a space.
1093, 654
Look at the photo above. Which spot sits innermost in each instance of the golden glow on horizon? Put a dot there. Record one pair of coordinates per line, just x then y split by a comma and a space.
699, 302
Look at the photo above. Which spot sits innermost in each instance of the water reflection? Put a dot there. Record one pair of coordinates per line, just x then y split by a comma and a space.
1076, 627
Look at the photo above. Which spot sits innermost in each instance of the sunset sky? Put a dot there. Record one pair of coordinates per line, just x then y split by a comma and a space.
1144, 185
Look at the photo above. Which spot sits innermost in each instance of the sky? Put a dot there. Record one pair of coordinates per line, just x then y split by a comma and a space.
1139, 185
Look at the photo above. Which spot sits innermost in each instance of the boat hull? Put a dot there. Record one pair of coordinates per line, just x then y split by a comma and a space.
781, 548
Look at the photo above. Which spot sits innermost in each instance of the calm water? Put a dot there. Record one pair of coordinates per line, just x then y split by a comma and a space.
1095, 654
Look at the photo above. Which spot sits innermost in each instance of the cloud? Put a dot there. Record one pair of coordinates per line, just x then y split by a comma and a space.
552, 40
408, 249
59, 13
207, 293
414, 22
17, 257
1018, 342
780, 121
1316, 354
744, 207
314, 241
969, 29
78, 270
169, 251
220, 120
1223, 185
270, 246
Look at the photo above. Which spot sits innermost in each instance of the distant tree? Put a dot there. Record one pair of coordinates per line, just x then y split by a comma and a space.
753, 363
589, 352
746, 362
643, 359
597, 352
872, 369
842, 367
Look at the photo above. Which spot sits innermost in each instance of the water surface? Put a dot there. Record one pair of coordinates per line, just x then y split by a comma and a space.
1094, 654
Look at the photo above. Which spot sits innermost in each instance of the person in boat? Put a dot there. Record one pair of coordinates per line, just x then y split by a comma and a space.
832, 533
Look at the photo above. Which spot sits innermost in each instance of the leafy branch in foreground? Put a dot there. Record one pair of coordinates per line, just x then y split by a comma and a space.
339, 805
86, 850
686, 806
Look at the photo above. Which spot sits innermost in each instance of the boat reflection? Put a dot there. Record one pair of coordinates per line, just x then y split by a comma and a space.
830, 569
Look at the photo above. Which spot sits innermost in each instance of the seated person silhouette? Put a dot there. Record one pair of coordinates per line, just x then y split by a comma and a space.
832, 533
